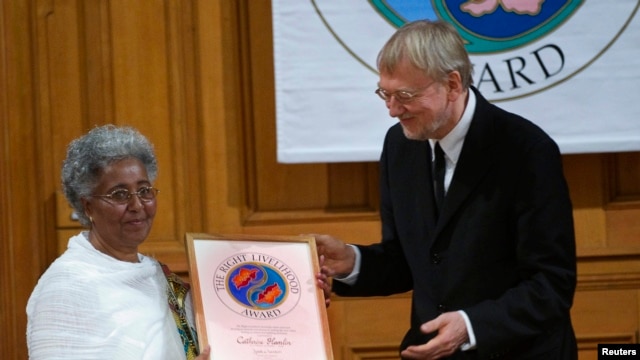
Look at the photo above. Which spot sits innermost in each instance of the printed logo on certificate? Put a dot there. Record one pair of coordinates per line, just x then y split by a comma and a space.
256, 297
257, 286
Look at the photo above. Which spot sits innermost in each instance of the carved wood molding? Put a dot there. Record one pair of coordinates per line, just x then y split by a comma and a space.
591, 341
307, 216
378, 351
623, 179
610, 281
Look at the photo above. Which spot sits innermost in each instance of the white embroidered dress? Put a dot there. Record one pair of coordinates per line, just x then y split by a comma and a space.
88, 305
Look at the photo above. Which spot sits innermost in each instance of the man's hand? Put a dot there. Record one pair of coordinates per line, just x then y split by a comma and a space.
452, 333
339, 258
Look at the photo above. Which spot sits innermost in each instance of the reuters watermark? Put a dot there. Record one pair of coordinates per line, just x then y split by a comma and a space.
618, 351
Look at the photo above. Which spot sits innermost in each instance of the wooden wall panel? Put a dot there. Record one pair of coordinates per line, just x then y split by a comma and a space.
586, 176
290, 192
625, 174
6, 267
278, 186
605, 317
97, 63
24, 199
139, 35
196, 77
119, 69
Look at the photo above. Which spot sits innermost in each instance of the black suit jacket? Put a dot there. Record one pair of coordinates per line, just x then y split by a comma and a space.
502, 250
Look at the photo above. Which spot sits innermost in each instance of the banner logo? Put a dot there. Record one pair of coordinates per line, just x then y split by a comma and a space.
518, 47
488, 25
257, 286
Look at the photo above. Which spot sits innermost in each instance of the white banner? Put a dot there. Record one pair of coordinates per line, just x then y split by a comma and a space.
570, 66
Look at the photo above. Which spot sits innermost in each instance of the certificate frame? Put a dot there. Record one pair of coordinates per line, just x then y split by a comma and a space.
256, 297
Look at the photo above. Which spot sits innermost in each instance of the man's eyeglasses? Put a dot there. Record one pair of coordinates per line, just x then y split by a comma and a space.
402, 96
123, 196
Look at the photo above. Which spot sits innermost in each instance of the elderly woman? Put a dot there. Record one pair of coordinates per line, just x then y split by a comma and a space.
102, 299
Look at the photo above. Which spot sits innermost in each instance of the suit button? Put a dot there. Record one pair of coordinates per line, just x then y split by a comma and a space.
436, 258
442, 308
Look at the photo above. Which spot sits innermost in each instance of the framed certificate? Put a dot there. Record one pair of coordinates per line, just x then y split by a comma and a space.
256, 297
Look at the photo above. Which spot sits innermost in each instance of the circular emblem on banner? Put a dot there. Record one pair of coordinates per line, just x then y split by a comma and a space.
518, 47
257, 286
492, 26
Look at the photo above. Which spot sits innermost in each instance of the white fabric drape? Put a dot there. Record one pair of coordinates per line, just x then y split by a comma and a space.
88, 305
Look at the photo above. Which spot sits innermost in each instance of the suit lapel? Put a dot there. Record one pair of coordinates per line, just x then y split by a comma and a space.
473, 164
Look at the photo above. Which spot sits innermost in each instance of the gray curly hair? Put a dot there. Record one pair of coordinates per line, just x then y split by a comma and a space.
92, 152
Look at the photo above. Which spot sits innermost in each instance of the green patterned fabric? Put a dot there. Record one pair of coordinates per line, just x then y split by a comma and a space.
176, 294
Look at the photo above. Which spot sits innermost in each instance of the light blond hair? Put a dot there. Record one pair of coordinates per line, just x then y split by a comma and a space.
432, 46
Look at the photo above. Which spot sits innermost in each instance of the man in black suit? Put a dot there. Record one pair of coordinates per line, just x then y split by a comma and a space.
493, 265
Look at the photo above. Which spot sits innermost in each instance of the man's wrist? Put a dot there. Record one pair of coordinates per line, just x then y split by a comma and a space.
471, 343
351, 277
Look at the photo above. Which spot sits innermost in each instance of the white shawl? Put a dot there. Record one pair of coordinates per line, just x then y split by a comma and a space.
88, 305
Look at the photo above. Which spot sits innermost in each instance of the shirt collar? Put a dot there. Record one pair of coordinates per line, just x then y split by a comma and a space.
452, 143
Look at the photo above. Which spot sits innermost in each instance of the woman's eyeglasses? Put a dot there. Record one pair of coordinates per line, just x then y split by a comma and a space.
123, 196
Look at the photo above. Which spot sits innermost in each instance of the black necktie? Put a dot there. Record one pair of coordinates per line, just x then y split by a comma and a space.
438, 174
